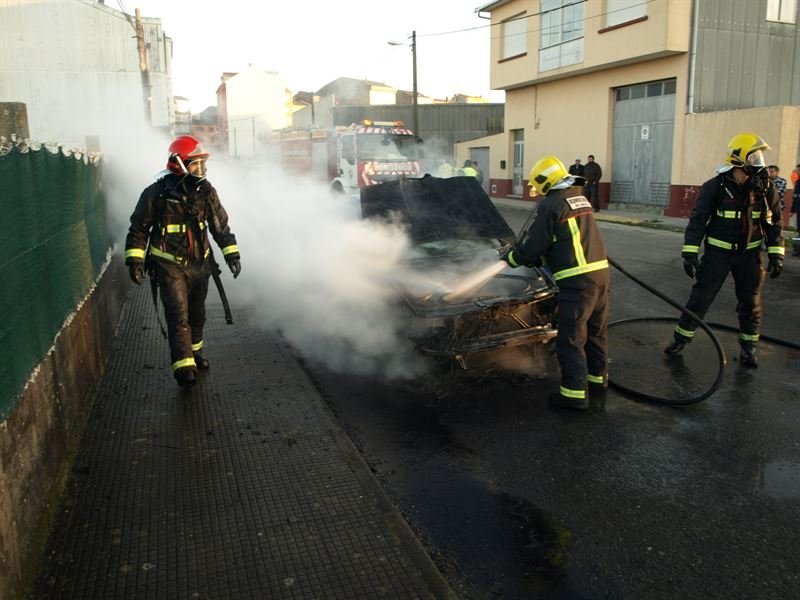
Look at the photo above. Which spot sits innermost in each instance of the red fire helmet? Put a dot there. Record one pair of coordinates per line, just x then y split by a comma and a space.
183, 150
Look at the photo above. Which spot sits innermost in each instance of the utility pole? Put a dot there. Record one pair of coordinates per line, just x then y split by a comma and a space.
414, 80
145, 72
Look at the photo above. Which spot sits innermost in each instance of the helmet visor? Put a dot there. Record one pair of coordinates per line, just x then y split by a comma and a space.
756, 160
197, 168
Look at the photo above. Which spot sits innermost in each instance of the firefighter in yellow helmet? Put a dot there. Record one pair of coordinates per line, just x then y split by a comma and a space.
565, 236
737, 213
170, 230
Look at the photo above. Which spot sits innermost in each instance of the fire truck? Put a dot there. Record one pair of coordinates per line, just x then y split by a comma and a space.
351, 157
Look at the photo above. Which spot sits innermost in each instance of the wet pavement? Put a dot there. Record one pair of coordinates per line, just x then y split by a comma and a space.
249, 487
632, 500
244, 487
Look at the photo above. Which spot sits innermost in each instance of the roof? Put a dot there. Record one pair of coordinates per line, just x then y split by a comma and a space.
491, 6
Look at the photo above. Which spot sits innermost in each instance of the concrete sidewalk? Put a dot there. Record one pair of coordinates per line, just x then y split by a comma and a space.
245, 487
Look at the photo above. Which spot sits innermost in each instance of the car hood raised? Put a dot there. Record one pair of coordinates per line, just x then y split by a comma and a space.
437, 209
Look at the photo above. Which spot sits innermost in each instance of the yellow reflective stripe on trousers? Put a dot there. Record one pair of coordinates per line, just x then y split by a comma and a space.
198, 346
747, 337
728, 214
176, 228
684, 332
230, 249
572, 393
775, 250
580, 257
134, 253
184, 362
595, 379
587, 268
694, 249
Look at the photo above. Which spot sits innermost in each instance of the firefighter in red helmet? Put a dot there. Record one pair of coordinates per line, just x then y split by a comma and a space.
168, 237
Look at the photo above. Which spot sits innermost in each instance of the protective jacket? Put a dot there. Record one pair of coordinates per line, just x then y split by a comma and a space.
735, 217
565, 235
169, 227
172, 214
735, 220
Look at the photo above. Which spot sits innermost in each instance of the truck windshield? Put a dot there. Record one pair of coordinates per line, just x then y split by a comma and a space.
380, 146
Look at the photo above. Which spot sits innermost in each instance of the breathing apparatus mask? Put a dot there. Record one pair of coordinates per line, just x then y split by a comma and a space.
194, 169
755, 163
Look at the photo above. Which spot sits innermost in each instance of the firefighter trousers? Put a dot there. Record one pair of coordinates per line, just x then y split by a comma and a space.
183, 294
748, 277
582, 341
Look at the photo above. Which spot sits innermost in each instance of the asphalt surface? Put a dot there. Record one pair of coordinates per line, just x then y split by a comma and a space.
632, 500
275, 478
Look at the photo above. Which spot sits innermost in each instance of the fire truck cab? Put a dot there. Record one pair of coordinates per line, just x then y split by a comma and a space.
352, 157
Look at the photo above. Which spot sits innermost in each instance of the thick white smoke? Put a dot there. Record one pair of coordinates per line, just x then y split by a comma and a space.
314, 270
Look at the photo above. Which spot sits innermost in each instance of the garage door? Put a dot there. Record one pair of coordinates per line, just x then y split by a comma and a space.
644, 115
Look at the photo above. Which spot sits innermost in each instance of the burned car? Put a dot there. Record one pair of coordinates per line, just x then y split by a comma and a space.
464, 301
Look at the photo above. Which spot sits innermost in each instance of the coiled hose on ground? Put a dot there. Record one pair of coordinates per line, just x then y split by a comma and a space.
707, 327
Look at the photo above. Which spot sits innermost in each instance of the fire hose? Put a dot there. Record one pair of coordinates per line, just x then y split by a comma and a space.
705, 326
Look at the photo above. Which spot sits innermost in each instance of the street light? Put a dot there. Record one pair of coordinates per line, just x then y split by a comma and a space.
415, 118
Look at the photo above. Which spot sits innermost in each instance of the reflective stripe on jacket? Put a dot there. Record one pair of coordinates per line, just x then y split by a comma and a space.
565, 234
175, 218
734, 217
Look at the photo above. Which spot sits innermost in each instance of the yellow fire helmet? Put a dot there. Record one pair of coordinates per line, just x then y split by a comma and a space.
547, 172
746, 149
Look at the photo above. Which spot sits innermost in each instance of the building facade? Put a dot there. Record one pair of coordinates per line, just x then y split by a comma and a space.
75, 65
654, 90
252, 104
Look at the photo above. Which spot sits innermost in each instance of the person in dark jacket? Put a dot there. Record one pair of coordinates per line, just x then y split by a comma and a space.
593, 173
565, 236
169, 232
576, 168
737, 213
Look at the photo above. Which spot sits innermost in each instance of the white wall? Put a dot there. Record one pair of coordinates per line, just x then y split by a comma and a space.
75, 64
258, 103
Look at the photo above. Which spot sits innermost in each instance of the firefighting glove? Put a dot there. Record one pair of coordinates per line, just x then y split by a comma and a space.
508, 256
136, 272
234, 265
775, 266
690, 264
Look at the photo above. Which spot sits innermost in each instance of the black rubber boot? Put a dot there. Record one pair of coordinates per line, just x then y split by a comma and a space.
675, 348
748, 358
559, 401
598, 390
202, 363
186, 377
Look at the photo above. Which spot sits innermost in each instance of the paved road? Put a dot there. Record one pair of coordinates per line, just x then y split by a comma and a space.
514, 500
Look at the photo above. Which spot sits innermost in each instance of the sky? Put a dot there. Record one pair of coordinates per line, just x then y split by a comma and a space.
311, 44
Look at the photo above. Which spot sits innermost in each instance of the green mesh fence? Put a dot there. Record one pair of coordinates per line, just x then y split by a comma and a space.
53, 244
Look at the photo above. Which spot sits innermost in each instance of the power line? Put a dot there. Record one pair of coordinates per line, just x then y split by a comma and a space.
127, 16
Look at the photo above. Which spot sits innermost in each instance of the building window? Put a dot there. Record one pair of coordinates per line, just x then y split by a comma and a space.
514, 32
622, 11
561, 41
782, 11
665, 87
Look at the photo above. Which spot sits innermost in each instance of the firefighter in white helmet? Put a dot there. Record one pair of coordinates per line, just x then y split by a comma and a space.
565, 236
